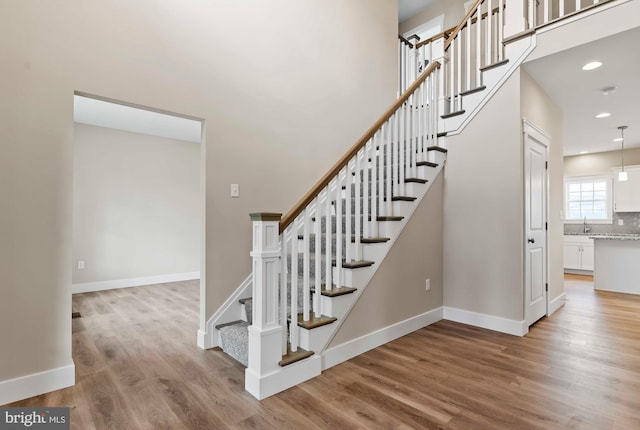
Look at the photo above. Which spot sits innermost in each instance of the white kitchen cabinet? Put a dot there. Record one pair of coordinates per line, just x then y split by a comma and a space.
626, 194
578, 253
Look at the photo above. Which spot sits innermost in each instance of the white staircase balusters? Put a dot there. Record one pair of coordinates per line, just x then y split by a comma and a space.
317, 231
293, 302
338, 268
391, 137
328, 277
359, 213
368, 160
376, 146
489, 38
306, 287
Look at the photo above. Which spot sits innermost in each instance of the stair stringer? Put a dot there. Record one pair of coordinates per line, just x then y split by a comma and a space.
318, 339
516, 52
231, 310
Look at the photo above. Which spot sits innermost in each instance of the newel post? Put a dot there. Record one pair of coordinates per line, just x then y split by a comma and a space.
414, 58
265, 333
514, 21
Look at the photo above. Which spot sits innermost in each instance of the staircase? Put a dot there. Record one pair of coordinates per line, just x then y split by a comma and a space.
336, 232
312, 265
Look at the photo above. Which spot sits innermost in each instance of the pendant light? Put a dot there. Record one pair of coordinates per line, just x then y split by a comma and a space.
622, 175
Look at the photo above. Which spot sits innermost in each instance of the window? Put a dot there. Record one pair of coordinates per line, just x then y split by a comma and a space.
588, 197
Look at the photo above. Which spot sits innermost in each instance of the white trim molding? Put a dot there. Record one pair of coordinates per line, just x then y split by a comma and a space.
88, 287
557, 303
23, 387
231, 310
491, 322
362, 344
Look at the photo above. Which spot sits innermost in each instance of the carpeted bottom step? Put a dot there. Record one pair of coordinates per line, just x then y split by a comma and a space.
234, 340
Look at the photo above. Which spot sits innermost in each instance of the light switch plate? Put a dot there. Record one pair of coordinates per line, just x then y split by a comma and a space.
80, 264
620, 221
235, 190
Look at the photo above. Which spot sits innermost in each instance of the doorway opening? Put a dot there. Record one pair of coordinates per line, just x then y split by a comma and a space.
138, 205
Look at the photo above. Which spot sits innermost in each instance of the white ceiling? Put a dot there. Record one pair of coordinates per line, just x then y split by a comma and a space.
408, 8
578, 93
104, 114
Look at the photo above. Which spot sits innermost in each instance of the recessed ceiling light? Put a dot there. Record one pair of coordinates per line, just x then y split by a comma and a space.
617, 139
592, 65
603, 115
584, 152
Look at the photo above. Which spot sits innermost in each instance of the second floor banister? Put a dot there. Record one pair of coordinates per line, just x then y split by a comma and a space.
474, 44
539, 13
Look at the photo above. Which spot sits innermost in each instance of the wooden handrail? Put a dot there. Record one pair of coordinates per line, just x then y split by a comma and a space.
436, 37
462, 23
326, 179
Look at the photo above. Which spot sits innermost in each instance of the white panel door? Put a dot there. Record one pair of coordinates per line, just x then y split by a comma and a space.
535, 172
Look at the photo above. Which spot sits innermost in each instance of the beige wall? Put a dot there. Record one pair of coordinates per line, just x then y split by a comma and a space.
136, 205
453, 11
600, 162
537, 107
397, 290
483, 215
283, 87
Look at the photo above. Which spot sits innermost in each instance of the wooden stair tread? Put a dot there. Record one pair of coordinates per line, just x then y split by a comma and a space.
452, 114
219, 326
473, 90
442, 134
354, 264
246, 299
390, 218
415, 180
340, 291
293, 357
403, 199
315, 322
494, 65
374, 239
437, 148
426, 163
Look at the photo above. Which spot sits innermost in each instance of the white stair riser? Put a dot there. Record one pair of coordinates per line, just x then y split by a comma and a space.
315, 339
337, 306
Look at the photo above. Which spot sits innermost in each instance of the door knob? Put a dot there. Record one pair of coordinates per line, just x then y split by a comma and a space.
532, 240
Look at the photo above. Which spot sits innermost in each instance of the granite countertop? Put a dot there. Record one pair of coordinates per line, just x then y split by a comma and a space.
615, 236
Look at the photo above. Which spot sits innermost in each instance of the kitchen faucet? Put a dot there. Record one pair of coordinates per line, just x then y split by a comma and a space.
586, 227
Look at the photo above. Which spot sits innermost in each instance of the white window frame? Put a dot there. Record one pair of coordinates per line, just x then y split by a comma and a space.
609, 204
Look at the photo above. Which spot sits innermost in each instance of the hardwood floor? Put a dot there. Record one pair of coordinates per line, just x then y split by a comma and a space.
137, 367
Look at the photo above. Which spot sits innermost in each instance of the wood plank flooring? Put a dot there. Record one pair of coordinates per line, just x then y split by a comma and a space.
138, 367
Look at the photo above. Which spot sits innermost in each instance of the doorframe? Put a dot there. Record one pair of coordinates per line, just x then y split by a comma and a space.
531, 129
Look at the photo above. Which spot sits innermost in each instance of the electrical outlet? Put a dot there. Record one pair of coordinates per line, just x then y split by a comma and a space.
427, 285
620, 221
80, 264
235, 190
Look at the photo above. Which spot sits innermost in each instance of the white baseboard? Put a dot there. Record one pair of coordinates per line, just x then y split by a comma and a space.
557, 303
262, 387
231, 310
88, 287
35, 384
491, 322
362, 344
